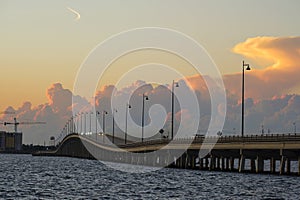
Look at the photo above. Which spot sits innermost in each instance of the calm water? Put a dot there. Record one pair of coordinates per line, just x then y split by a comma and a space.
27, 177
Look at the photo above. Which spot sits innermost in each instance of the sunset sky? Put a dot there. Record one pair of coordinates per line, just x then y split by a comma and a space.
42, 43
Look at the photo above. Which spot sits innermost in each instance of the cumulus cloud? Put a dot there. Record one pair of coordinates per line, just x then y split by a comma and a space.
280, 58
55, 112
267, 100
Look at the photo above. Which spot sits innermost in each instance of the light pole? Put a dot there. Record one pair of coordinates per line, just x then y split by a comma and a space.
113, 124
145, 97
85, 122
295, 127
77, 123
91, 122
81, 129
96, 120
103, 120
128, 106
73, 124
172, 117
243, 93
103, 123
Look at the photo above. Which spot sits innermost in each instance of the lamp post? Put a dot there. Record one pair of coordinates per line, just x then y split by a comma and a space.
91, 122
85, 121
295, 127
103, 120
113, 124
172, 117
103, 123
77, 123
69, 125
66, 129
243, 93
81, 130
145, 97
96, 120
128, 106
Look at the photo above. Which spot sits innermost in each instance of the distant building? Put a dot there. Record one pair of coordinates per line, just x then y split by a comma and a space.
10, 141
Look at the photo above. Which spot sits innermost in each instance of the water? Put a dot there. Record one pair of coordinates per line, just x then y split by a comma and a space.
27, 177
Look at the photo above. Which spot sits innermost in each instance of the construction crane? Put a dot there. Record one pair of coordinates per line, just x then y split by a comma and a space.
16, 123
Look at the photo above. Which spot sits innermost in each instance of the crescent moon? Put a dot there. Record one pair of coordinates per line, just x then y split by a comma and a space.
75, 12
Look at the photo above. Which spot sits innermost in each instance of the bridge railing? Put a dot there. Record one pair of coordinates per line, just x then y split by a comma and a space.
200, 139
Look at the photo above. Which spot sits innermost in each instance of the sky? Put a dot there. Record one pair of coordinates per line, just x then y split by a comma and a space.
43, 44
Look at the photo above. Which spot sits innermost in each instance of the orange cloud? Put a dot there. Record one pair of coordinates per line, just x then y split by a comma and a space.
280, 76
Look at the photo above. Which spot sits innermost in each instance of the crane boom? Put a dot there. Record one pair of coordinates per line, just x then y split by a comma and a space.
16, 123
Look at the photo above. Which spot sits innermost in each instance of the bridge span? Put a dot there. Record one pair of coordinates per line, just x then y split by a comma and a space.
272, 154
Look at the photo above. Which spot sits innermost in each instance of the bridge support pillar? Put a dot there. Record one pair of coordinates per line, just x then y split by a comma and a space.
183, 161
282, 165
206, 163
273, 165
259, 164
212, 163
218, 163
231, 162
193, 162
252, 167
241, 163
201, 163
223, 163
288, 166
178, 162
227, 163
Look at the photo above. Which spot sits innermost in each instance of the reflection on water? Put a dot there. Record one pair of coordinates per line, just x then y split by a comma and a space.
24, 176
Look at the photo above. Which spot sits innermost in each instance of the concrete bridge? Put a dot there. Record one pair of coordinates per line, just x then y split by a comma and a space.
274, 154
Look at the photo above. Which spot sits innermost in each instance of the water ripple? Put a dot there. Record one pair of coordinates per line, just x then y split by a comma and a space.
27, 177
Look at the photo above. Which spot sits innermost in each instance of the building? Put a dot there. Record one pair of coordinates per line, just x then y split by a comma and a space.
10, 141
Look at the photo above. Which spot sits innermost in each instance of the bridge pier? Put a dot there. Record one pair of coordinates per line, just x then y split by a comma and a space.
252, 165
288, 165
193, 162
273, 165
282, 165
201, 166
212, 163
206, 163
241, 163
227, 163
259, 164
231, 161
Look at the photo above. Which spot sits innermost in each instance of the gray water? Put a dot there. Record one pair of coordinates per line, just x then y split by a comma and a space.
27, 177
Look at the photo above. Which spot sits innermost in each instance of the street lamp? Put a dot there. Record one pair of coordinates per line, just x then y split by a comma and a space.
113, 124
96, 120
145, 97
85, 122
243, 93
81, 129
103, 120
295, 127
128, 106
172, 117
91, 122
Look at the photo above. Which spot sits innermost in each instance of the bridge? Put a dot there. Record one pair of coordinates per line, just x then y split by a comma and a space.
274, 154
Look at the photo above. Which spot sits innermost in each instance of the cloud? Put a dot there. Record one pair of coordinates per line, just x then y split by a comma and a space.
281, 57
55, 113
267, 100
